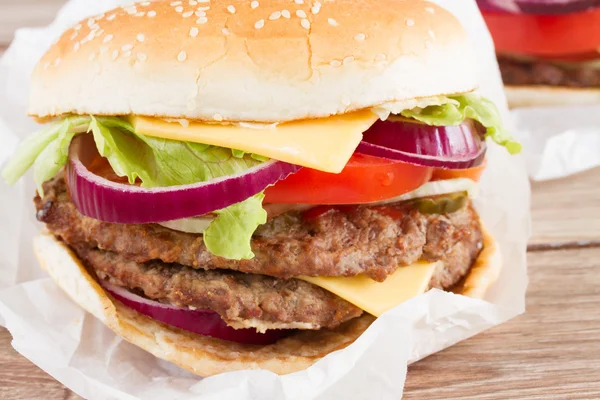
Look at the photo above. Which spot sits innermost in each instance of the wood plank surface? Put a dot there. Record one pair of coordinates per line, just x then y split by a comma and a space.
567, 211
551, 352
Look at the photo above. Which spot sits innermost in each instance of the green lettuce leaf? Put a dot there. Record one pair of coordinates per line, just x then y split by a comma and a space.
153, 161
467, 106
229, 234
53, 141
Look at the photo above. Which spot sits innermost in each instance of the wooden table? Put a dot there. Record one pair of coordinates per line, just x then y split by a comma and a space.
553, 351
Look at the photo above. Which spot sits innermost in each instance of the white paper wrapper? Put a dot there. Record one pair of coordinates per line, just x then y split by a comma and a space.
80, 352
559, 141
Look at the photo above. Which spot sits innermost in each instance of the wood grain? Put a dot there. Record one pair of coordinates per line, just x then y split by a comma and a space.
567, 211
551, 352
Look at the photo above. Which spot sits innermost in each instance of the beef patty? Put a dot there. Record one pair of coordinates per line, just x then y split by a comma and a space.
370, 240
242, 300
516, 72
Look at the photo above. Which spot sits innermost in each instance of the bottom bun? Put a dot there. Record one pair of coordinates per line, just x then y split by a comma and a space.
205, 356
541, 96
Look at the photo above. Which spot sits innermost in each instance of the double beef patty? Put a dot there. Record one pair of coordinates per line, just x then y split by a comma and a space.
516, 72
176, 268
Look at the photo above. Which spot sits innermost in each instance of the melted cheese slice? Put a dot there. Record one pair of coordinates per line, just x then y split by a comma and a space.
325, 144
379, 297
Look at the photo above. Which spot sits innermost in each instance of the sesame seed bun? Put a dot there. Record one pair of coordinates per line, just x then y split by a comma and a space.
544, 96
264, 61
204, 355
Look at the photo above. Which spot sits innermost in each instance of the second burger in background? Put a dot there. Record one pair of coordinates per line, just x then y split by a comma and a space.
548, 51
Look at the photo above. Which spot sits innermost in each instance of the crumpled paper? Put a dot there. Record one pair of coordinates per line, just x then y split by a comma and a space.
75, 348
559, 141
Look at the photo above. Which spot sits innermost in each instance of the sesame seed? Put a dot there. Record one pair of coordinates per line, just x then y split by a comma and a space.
335, 63
130, 10
56, 62
206, 8
94, 27
111, 17
200, 14
187, 14
225, 31
316, 7
254, 4
115, 54
431, 34
231, 9
305, 24
193, 3
103, 49
91, 22
348, 60
107, 38
194, 32
175, 3
332, 22
430, 10
140, 14
140, 37
301, 14
299, 1
151, 14
77, 46
77, 27
217, 117
182, 56
92, 56
203, 1
259, 24
360, 37
127, 54
99, 16
275, 15
179, 9
74, 35
99, 33
142, 57
127, 47
286, 14
145, 3
201, 20
380, 57
410, 22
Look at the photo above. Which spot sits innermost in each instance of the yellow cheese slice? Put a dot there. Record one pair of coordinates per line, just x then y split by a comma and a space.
325, 144
378, 297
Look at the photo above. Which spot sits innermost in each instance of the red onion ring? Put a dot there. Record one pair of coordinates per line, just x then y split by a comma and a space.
449, 147
202, 322
540, 7
101, 199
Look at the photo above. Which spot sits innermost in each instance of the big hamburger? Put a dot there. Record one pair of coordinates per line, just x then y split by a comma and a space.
548, 51
245, 184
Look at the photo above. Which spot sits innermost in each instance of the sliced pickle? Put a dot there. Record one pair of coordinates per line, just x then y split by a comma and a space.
443, 204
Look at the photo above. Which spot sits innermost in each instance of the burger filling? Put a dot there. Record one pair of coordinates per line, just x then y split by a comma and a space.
519, 72
218, 228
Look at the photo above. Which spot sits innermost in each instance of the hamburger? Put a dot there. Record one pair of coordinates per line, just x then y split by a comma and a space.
548, 51
243, 185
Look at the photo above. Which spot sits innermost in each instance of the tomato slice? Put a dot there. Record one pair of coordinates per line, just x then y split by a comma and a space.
365, 179
473, 174
545, 35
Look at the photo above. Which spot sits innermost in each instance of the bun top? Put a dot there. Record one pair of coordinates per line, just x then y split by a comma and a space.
260, 60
